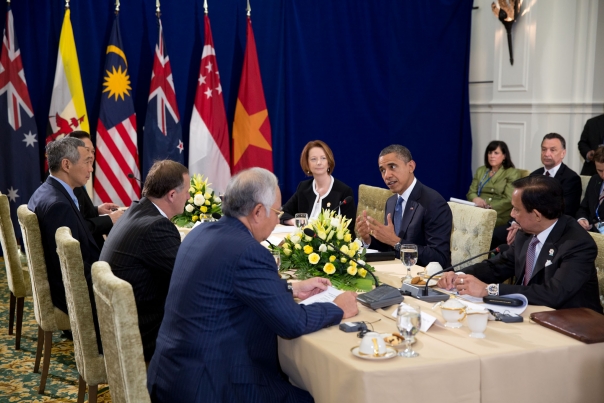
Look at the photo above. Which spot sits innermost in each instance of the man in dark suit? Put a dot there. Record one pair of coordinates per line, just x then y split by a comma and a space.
552, 257
226, 305
553, 151
416, 214
55, 205
591, 138
142, 245
591, 212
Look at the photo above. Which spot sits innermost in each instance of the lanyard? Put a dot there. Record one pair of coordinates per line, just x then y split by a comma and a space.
482, 182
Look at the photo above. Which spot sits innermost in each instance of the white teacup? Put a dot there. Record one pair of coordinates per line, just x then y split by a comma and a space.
432, 268
477, 322
372, 344
453, 312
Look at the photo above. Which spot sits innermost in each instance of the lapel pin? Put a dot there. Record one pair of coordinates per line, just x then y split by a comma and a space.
551, 252
547, 263
328, 204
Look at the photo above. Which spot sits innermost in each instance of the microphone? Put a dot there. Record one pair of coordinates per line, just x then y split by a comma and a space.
499, 249
309, 232
131, 176
347, 200
216, 216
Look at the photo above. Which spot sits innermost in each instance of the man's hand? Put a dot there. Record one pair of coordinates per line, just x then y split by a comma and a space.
115, 215
310, 287
347, 301
589, 155
512, 232
107, 208
467, 284
447, 280
584, 223
479, 201
362, 228
383, 233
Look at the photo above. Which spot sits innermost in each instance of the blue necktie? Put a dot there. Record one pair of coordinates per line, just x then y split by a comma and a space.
398, 215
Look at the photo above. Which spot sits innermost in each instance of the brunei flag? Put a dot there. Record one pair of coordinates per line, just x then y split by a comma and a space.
67, 106
252, 143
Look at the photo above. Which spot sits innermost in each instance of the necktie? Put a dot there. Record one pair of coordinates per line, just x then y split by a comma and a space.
398, 214
547, 173
530, 260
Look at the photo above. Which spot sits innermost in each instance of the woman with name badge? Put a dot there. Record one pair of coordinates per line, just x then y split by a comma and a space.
323, 191
492, 185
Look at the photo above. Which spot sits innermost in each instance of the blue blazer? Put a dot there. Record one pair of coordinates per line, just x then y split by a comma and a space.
225, 307
54, 208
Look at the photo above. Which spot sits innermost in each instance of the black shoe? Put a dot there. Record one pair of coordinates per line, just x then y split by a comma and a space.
67, 335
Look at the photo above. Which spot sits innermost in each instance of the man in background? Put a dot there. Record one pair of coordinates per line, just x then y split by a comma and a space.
142, 245
590, 212
591, 138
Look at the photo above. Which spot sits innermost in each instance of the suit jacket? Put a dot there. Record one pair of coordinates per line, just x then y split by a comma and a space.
427, 222
589, 205
141, 250
571, 186
564, 275
98, 225
225, 307
54, 208
591, 138
302, 201
497, 192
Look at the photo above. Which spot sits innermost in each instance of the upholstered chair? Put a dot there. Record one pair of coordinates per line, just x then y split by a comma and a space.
48, 317
122, 345
373, 200
471, 233
599, 238
90, 364
584, 182
19, 284
523, 172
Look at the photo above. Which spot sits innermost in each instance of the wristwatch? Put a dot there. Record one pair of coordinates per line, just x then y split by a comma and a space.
290, 288
397, 246
493, 289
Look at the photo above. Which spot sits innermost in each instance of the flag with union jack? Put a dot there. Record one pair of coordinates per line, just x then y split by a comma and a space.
162, 133
19, 152
116, 144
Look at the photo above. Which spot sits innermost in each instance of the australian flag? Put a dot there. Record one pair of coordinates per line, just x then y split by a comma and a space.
19, 156
163, 133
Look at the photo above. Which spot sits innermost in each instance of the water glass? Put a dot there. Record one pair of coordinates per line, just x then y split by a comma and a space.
301, 220
408, 254
408, 322
277, 255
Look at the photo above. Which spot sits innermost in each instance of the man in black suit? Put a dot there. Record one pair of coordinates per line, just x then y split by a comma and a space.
55, 205
142, 245
553, 151
591, 212
552, 257
416, 214
591, 138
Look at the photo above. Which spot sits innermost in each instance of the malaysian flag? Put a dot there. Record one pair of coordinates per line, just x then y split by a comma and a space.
20, 173
163, 133
116, 144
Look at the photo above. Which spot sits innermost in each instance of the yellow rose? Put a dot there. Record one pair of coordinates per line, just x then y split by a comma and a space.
308, 249
322, 235
351, 253
203, 209
287, 252
191, 189
313, 258
352, 270
362, 272
199, 193
347, 237
297, 246
344, 249
194, 218
332, 258
213, 206
190, 200
207, 203
343, 260
353, 263
329, 268
354, 246
340, 235
207, 195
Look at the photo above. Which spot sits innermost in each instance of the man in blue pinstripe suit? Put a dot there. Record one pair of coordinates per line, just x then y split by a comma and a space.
226, 305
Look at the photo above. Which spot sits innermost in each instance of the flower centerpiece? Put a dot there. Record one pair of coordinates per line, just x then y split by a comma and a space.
311, 257
202, 203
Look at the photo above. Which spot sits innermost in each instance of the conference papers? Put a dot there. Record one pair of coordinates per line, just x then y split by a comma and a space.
460, 201
326, 296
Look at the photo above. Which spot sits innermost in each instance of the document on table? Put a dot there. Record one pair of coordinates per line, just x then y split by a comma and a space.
461, 201
514, 310
326, 296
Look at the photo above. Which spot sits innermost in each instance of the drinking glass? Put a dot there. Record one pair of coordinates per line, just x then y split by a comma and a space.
277, 255
301, 220
409, 258
408, 322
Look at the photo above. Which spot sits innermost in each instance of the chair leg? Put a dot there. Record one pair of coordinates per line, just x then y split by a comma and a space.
39, 349
20, 302
11, 313
81, 389
46, 364
93, 390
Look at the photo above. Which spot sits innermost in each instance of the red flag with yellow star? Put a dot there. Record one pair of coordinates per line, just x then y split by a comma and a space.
252, 142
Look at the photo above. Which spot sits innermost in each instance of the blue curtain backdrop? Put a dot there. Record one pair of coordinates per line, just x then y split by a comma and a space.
357, 74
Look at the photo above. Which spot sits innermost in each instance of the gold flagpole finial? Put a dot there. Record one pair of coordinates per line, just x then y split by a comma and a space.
66, 4
117, 6
205, 6
249, 9
157, 7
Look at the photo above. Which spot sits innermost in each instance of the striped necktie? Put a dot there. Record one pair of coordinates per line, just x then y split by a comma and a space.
530, 260
398, 215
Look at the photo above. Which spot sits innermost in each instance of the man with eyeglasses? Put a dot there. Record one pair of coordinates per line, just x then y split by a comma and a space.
226, 305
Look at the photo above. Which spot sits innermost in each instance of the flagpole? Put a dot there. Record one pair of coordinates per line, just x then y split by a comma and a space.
157, 12
249, 9
205, 6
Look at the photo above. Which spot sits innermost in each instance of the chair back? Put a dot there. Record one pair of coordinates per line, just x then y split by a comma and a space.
584, 182
471, 233
599, 238
122, 345
90, 363
18, 279
373, 200
48, 317
523, 172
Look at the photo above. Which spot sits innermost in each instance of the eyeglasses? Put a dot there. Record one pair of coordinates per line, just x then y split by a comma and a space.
279, 212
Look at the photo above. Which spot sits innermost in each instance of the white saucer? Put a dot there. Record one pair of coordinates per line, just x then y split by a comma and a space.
453, 325
390, 352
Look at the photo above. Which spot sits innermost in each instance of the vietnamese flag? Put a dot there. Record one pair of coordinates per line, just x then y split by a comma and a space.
252, 143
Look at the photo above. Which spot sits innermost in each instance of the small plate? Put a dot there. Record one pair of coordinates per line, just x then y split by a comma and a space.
285, 276
390, 352
399, 345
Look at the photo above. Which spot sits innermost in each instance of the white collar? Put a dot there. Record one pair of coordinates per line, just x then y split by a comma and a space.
408, 191
160, 210
553, 171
